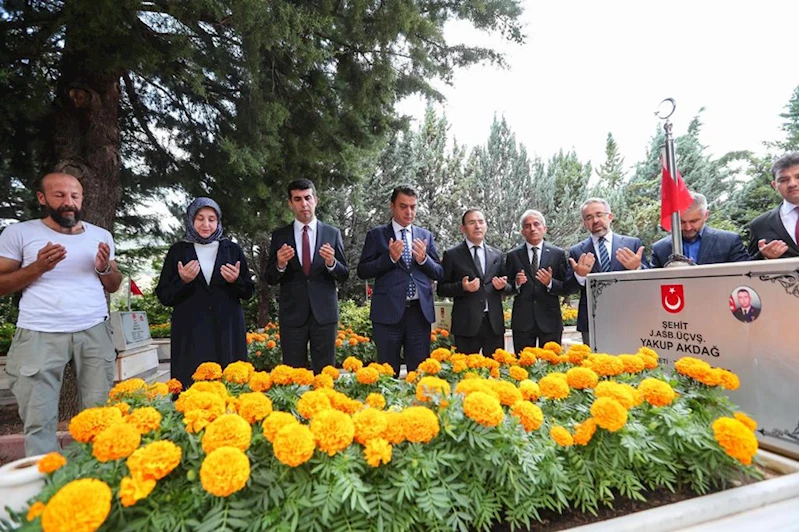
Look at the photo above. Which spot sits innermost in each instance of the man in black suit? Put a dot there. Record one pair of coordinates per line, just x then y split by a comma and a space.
701, 243
538, 270
775, 234
603, 251
474, 277
307, 258
745, 311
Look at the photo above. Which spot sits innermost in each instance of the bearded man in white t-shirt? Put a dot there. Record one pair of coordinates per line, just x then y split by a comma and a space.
63, 266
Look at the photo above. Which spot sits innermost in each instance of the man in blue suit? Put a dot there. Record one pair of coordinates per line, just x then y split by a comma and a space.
403, 260
306, 258
603, 251
701, 243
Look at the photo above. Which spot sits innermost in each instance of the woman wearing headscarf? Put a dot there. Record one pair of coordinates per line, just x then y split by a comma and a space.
205, 277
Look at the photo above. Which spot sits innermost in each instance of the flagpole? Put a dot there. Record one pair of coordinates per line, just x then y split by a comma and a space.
129, 280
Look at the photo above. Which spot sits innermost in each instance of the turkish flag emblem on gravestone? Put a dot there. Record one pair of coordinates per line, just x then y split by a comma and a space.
672, 297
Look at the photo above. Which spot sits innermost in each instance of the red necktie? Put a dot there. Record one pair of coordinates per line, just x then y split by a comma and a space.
306, 252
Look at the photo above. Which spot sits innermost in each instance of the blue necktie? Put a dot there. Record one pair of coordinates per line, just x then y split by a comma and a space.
604, 258
406, 258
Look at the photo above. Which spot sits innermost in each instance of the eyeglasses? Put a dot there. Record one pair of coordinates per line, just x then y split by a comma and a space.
597, 216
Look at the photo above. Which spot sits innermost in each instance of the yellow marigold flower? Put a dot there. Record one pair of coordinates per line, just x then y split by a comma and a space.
322, 381
331, 371
254, 406
468, 386
302, 376
518, 373
526, 358
214, 387
554, 387
225, 471
649, 362
294, 444
575, 357
698, 370
311, 403
494, 372
377, 450
504, 357
475, 361
81, 505
395, 428
88, 424
369, 424
208, 371
174, 386
645, 351
471, 375
129, 386
553, 346
260, 381
276, 421
530, 416
157, 389
367, 375
561, 436
740, 416
122, 407
459, 366
146, 419
632, 363
51, 462
411, 377
230, 430
656, 392
529, 390
609, 413
442, 354
35, 510
615, 391
154, 461
607, 365
238, 372
430, 366
583, 432
387, 369
333, 431
132, 490
728, 379
282, 375
352, 364
580, 348
420, 424
199, 408
376, 400
483, 408
508, 394
581, 378
736, 438
635, 393
429, 387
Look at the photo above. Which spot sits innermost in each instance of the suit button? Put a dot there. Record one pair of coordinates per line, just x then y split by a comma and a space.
210, 307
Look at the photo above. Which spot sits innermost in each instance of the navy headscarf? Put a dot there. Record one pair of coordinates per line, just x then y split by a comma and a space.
191, 233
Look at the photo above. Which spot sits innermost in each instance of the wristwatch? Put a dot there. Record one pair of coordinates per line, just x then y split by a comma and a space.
104, 272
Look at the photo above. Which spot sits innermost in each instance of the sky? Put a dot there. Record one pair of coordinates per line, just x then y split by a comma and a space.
588, 68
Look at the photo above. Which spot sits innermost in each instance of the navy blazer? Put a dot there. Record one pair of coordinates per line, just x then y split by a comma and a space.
717, 246
587, 246
534, 304
392, 278
768, 226
317, 293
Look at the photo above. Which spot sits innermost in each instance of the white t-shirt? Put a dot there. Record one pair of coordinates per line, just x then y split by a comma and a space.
70, 297
206, 254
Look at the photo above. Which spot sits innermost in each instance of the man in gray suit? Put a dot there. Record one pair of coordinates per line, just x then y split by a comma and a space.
701, 243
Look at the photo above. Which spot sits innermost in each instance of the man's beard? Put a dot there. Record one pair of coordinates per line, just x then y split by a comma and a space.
63, 221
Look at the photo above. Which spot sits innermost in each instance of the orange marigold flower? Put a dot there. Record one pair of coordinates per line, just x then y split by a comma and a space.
260, 381
200, 408
132, 490
276, 421
311, 403
459, 366
369, 424
430, 366
122, 407
51, 462
656, 392
88, 424
271, 344
157, 389
428, 387
504, 357
238, 372
214, 387
352, 364
632, 363
494, 372
146, 419
174, 386
155, 460
443, 332
530, 416
728, 379
91, 496
561, 436
508, 394
395, 428
339, 342
35, 510
387, 369
411, 377
282, 375
553, 346
230, 430
127, 387
420, 424
526, 358
367, 376
442, 354
376, 400
377, 450
483, 408
529, 390
322, 381
554, 387
294, 444
607, 365
648, 352
609, 413
302, 376
468, 386
207, 371
649, 361
581, 378
736, 438
616, 391
254, 406
333, 431
353, 340
517, 373
225, 471
750, 423
331, 371
583, 432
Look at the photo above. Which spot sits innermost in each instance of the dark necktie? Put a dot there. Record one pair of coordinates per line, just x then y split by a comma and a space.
306, 252
604, 258
410, 292
796, 228
534, 260
477, 261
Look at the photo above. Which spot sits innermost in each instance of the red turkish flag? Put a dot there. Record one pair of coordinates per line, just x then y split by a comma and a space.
674, 197
732, 304
134, 290
672, 297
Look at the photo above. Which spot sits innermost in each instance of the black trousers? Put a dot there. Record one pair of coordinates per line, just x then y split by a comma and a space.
522, 339
486, 339
411, 335
294, 343
586, 337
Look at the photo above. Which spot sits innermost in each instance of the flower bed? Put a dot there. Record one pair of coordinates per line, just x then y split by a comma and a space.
461, 444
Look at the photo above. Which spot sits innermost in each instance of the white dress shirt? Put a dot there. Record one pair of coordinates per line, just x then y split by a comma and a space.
788, 215
608, 246
481, 254
540, 250
206, 255
311, 237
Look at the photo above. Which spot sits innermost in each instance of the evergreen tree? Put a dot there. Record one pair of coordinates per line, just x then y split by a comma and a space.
611, 172
559, 191
791, 124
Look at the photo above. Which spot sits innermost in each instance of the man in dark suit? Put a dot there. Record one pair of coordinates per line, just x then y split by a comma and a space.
474, 277
539, 272
403, 260
307, 258
603, 251
775, 234
745, 312
701, 243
